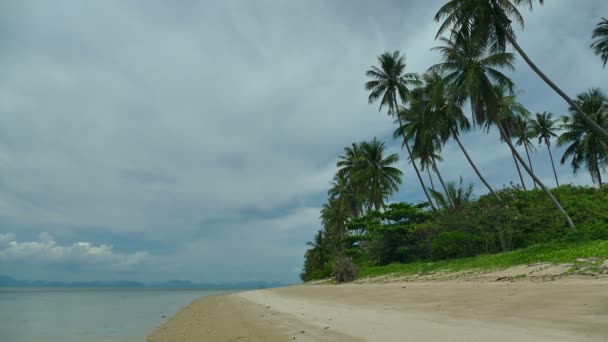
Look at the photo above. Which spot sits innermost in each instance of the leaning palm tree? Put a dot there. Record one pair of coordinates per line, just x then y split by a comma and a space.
523, 135
509, 112
584, 146
600, 43
544, 128
471, 71
420, 128
390, 83
488, 22
450, 120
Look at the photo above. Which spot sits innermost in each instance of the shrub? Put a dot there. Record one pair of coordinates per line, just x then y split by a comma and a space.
456, 244
345, 269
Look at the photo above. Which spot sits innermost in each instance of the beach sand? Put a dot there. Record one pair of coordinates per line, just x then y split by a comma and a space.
561, 310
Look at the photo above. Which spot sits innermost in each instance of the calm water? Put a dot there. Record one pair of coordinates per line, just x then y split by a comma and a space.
87, 315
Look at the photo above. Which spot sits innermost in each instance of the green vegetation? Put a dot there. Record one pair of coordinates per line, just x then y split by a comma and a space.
362, 233
553, 253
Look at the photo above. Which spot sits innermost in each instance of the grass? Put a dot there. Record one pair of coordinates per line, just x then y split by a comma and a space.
553, 253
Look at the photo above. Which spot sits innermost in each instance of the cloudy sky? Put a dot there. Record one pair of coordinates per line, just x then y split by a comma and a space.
154, 140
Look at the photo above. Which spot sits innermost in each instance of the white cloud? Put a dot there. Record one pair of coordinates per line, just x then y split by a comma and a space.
45, 252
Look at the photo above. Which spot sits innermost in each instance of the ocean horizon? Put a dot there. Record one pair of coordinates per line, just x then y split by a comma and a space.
32, 314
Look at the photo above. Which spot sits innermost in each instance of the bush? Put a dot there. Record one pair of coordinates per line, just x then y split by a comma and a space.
456, 245
345, 269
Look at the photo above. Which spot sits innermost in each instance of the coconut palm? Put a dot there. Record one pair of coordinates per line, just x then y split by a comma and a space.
470, 71
544, 128
600, 43
459, 194
389, 82
584, 146
418, 127
377, 173
319, 253
523, 135
450, 120
351, 198
509, 110
488, 22
367, 175
334, 216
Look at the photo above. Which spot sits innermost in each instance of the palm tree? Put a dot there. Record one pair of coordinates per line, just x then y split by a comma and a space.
585, 147
334, 217
469, 70
389, 82
377, 173
488, 22
460, 196
600, 44
419, 127
367, 175
450, 120
509, 110
350, 198
523, 137
544, 128
318, 254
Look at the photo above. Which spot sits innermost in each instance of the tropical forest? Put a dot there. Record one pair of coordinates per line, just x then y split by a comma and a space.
364, 232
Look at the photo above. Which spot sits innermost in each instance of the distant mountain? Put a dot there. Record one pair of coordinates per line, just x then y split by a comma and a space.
6, 281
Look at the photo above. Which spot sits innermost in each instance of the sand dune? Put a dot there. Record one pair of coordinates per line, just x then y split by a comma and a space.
561, 310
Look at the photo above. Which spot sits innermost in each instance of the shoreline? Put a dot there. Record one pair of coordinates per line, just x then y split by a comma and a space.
567, 309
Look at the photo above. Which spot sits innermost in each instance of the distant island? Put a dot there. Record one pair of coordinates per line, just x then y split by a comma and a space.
7, 281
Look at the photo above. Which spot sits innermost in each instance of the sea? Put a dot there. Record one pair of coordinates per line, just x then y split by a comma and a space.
88, 314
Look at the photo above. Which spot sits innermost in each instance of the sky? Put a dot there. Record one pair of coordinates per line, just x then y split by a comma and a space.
156, 140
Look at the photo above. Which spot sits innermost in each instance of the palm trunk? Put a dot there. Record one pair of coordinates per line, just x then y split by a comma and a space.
409, 152
430, 178
592, 124
466, 154
445, 189
536, 179
598, 172
432, 185
552, 164
521, 178
530, 162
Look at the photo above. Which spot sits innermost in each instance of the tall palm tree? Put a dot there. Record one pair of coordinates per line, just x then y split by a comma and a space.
450, 120
523, 135
489, 22
585, 147
389, 82
509, 110
544, 128
470, 71
600, 44
419, 127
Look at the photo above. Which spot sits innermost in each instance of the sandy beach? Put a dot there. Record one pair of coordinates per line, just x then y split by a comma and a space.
569, 309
